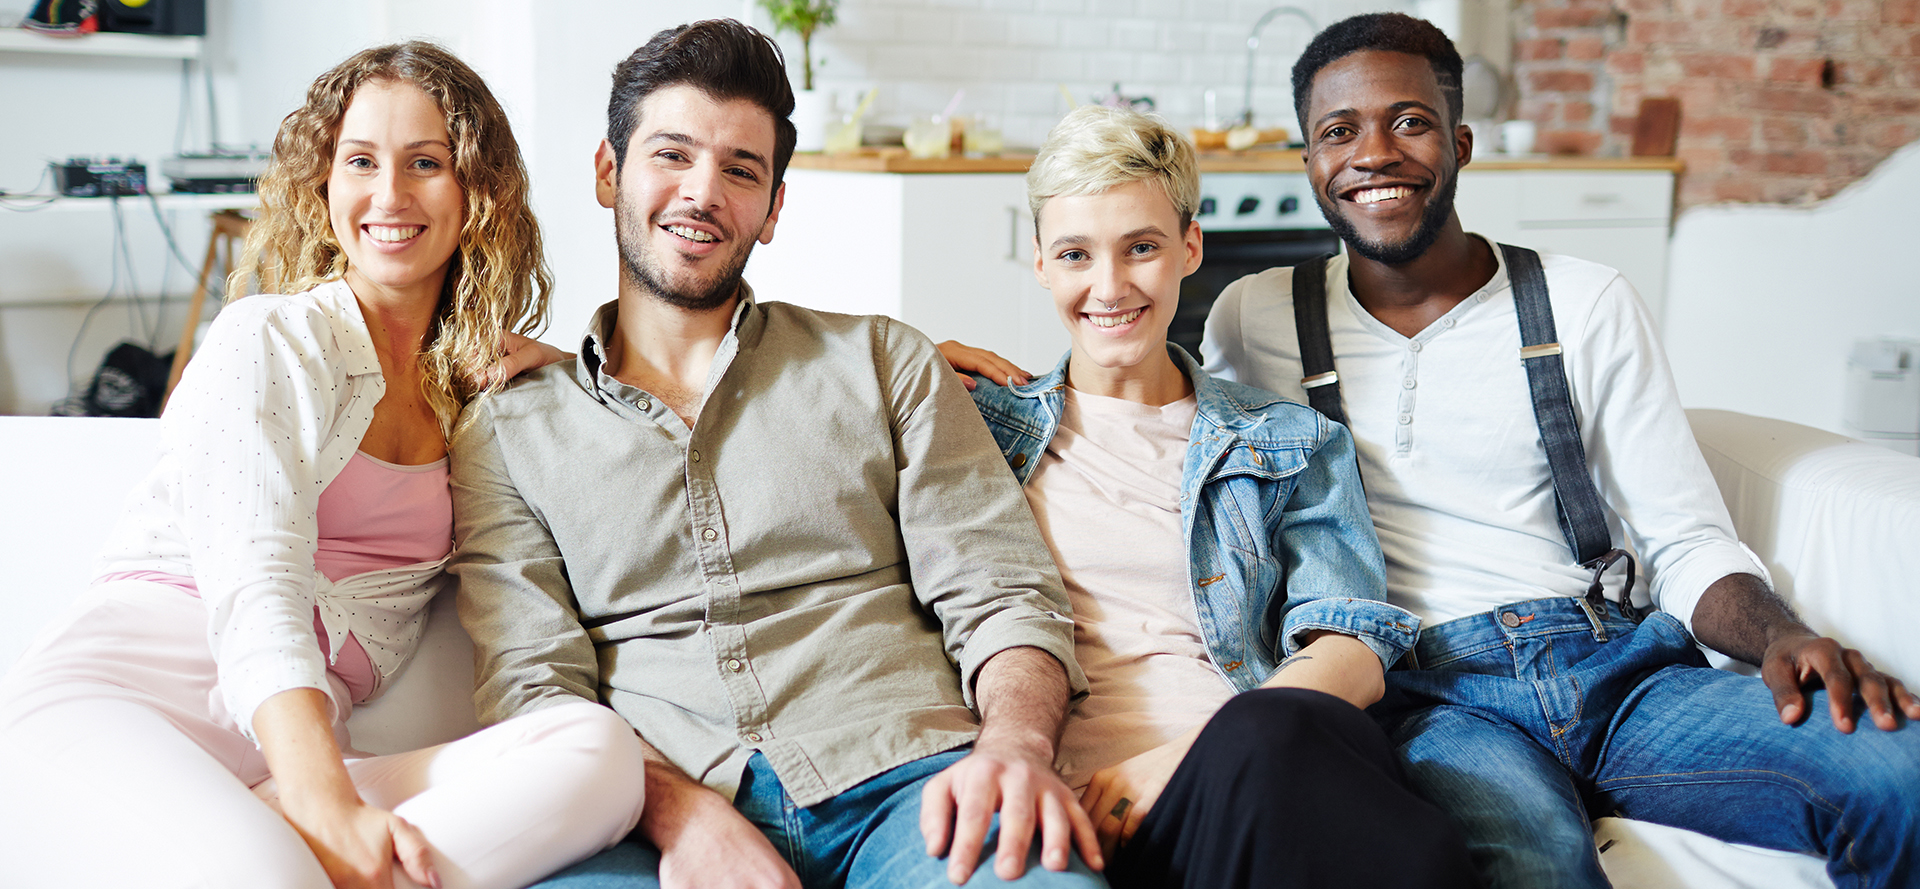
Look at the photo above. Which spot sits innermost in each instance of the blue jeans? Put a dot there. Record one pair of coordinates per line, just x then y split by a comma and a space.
1524, 722
868, 836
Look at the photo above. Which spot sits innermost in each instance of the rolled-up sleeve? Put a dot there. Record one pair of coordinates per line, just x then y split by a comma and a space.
975, 555
530, 650
1335, 576
1645, 459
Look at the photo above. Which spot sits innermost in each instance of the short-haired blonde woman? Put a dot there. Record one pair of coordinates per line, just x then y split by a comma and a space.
1228, 591
183, 724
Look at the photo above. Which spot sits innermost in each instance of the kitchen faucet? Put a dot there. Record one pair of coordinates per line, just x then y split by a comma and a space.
1253, 45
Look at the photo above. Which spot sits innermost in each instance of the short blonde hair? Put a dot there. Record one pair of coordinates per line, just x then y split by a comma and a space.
498, 280
1095, 148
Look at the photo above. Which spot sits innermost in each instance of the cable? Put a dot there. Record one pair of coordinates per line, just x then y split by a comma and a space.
213, 111
113, 284
9, 199
166, 231
12, 203
186, 99
123, 253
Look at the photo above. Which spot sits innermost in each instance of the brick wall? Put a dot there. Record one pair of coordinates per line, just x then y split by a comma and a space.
1782, 101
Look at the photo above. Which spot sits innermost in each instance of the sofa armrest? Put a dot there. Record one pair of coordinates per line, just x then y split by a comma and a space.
1836, 521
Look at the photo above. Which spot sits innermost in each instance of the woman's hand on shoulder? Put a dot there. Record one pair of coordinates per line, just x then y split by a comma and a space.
969, 360
522, 354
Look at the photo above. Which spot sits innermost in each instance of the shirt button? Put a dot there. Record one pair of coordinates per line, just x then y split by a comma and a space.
646, 405
694, 455
1446, 322
754, 737
1510, 619
1413, 347
1406, 419
1407, 383
734, 665
709, 534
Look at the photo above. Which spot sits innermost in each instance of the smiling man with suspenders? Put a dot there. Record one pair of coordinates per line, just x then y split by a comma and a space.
1519, 434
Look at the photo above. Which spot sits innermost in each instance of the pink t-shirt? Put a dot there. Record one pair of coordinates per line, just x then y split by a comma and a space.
1107, 497
374, 516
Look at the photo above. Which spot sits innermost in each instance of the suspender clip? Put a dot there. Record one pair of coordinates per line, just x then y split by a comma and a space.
1596, 592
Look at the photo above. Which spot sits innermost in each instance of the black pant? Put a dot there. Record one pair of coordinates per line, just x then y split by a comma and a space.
1291, 788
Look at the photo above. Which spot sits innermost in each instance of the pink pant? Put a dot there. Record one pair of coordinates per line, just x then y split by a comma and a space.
119, 766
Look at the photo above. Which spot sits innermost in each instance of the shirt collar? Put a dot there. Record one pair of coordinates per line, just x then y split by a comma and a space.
602, 327
349, 327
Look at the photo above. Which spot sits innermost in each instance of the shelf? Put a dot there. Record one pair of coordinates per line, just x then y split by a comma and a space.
30, 203
146, 46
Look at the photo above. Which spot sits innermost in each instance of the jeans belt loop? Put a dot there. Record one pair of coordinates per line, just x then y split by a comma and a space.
1594, 616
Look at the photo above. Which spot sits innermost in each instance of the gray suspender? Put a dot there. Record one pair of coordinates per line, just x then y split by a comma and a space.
1582, 520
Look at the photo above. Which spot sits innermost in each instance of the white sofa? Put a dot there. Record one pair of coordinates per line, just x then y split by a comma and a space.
1837, 522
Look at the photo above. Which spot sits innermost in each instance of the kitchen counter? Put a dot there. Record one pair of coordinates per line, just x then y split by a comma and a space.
1261, 161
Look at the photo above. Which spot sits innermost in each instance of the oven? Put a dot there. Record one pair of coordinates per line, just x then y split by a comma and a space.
1252, 222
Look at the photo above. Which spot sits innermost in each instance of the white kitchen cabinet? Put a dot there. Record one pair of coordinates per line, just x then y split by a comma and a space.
1619, 218
949, 253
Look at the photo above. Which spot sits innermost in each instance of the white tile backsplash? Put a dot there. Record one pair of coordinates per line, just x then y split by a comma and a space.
1012, 56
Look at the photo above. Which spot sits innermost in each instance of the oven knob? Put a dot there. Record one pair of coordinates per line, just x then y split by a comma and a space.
1207, 206
1247, 206
1289, 205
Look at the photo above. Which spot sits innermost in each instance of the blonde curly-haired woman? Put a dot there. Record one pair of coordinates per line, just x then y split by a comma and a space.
183, 724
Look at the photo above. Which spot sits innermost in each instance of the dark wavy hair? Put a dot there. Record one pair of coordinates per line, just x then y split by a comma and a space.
722, 58
498, 279
1387, 31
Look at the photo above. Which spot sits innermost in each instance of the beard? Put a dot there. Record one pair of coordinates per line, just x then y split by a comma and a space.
1406, 251
639, 265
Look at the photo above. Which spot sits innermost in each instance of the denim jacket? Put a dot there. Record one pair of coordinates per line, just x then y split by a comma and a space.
1275, 519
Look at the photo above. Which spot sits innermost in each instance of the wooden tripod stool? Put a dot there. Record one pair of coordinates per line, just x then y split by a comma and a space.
228, 227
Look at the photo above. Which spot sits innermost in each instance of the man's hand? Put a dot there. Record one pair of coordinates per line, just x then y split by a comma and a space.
957, 808
1739, 616
1022, 695
1121, 794
1795, 662
969, 360
704, 842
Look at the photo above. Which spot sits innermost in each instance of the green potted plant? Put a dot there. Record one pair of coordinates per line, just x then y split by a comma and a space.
812, 110
802, 17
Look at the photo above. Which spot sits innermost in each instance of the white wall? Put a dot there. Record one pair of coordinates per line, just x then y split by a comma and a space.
1763, 303
550, 69
1014, 56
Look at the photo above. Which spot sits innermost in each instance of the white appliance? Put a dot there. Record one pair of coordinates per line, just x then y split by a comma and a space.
1882, 400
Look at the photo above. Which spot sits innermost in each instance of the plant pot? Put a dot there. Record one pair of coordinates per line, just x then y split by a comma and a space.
812, 115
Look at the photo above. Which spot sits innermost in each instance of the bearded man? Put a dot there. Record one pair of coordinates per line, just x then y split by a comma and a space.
780, 543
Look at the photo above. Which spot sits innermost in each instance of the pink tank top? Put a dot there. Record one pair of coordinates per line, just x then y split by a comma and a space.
374, 516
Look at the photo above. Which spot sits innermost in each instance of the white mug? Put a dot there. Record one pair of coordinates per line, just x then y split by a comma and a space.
1516, 136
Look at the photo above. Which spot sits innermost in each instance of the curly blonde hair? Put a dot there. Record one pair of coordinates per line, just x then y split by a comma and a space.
497, 280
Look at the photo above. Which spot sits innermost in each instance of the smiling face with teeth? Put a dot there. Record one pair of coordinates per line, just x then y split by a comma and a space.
392, 199
692, 195
1383, 154
1124, 248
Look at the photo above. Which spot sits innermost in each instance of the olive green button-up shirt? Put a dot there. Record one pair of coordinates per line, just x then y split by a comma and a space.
815, 571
